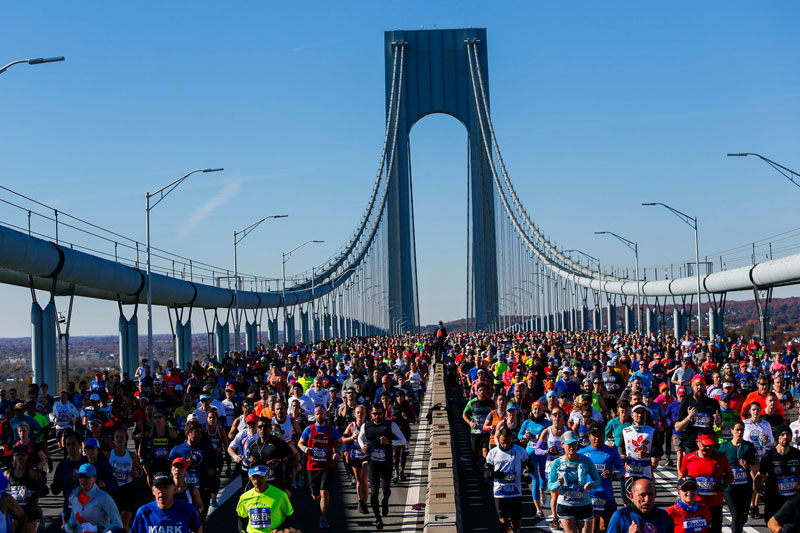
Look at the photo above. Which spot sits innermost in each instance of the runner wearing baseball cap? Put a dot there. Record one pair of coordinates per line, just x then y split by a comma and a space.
166, 513
712, 472
688, 514
264, 508
697, 415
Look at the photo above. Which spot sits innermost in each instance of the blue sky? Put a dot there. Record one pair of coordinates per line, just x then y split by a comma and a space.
597, 107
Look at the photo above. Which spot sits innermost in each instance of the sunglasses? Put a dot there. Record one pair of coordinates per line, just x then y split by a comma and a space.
262, 426
83, 476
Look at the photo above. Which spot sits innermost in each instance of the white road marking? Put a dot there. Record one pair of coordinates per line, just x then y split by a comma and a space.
227, 491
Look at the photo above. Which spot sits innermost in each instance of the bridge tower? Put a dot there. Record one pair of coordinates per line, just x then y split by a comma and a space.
436, 79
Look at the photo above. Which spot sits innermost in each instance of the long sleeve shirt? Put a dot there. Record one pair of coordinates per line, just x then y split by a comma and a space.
95, 507
398, 440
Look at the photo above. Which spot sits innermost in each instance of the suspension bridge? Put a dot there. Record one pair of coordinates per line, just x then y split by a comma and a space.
518, 278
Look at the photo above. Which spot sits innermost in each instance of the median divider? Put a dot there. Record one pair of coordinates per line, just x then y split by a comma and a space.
441, 513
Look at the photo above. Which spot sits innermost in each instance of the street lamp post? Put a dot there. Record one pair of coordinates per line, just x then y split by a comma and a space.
780, 168
32, 61
238, 236
692, 223
161, 195
285, 257
635, 247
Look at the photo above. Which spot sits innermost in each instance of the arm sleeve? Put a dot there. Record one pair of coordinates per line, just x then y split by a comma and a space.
552, 482
399, 438
362, 438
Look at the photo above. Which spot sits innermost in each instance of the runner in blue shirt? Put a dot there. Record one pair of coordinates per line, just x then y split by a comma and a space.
609, 465
642, 511
166, 513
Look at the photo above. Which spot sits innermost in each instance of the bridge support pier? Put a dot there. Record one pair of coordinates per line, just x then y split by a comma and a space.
272, 330
585, 317
251, 335
597, 319
183, 344
288, 328
223, 332
652, 321
327, 324
679, 323
629, 323
551, 323
128, 344
315, 329
43, 343
611, 317
304, 327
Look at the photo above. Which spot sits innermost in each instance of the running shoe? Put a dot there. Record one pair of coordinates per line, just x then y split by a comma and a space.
385, 508
214, 502
555, 524
362, 508
378, 524
323, 523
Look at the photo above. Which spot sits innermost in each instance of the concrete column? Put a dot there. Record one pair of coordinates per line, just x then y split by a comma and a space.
304, 337
611, 318
629, 322
597, 319
652, 321
316, 330
251, 335
679, 323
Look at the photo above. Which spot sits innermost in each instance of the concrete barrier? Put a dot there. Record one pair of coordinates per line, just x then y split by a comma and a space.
441, 511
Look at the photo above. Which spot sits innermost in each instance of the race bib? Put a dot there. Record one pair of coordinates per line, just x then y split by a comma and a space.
600, 467
727, 433
121, 476
739, 476
507, 487
63, 419
270, 474
787, 485
697, 523
19, 493
162, 452
192, 478
706, 486
260, 517
635, 469
358, 454
378, 455
598, 505
703, 420
573, 496
319, 455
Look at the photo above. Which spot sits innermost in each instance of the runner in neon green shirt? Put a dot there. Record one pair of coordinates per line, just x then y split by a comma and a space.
263, 508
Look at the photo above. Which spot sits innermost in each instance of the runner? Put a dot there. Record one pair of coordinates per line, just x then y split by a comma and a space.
475, 412
689, 515
640, 449
321, 444
743, 460
713, 473
91, 507
504, 465
263, 508
641, 511
166, 513
574, 476
779, 472
378, 438
608, 464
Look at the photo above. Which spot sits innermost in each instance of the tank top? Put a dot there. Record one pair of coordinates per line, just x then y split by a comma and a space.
320, 448
553, 441
216, 440
356, 453
18, 486
123, 466
635, 440
416, 381
287, 429
185, 495
159, 445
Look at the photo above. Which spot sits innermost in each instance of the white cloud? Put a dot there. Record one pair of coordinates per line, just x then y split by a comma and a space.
202, 212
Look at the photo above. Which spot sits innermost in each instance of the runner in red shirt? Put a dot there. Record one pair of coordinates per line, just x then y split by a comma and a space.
689, 515
712, 473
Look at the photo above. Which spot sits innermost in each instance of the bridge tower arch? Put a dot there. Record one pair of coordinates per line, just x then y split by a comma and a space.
436, 79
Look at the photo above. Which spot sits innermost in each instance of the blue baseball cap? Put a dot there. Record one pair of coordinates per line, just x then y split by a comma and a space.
91, 443
87, 470
259, 470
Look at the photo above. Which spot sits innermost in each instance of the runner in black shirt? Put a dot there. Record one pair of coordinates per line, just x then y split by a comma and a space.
697, 414
271, 451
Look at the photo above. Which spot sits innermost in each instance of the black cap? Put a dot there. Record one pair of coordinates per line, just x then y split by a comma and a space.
596, 429
688, 482
624, 403
162, 478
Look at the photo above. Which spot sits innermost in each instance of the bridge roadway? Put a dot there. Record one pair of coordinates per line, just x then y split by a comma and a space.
474, 495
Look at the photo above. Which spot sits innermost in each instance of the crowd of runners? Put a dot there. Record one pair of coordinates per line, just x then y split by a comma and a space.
146, 453
585, 417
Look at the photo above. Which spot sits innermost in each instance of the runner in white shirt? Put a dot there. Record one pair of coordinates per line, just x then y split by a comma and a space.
64, 415
504, 465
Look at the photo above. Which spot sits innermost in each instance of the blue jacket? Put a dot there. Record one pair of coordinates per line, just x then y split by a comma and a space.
658, 520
